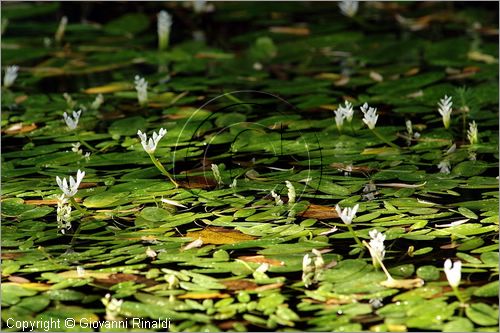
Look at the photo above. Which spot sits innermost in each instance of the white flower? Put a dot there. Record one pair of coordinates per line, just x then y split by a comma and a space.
452, 149
409, 129
216, 172
364, 107
262, 268
164, 24
369, 187
370, 115
347, 170
319, 263
150, 145
199, 6
172, 281
75, 147
306, 262
312, 270
80, 271
69, 100
60, 29
472, 133
47, 42
376, 302
72, 122
97, 102
277, 198
113, 307
472, 155
369, 196
151, 253
291, 192
4, 24
330, 231
347, 214
347, 110
377, 247
196, 243
70, 190
453, 272
141, 85
444, 166
349, 7
339, 118
63, 213
199, 36
444, 109
10, 75
307, 270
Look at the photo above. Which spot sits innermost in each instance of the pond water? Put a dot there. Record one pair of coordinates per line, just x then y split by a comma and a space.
299, 166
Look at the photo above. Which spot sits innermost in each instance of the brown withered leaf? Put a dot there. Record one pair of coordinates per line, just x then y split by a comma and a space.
400, 185
123, 277
375, 76
18, 279
239, 284
228, 325
218, 235
10, 255
412, 71
320, 212
262, 260
351, 168
20, 99
342, 81
269, 286
195, 295
297, 31
19, 128
482, 57
197, 182
449, 246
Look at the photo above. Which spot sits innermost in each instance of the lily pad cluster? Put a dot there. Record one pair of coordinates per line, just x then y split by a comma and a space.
232, 220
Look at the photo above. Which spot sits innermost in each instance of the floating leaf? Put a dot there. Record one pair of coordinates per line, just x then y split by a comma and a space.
262, 260
203, 295
217, 235
109, 88
482, 314
403, 284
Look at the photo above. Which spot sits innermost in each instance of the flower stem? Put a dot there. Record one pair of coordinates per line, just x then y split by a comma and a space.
377, 258
378, 135
162, 169
75, 234
458, 295
351, 230
83, 142
77, 206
